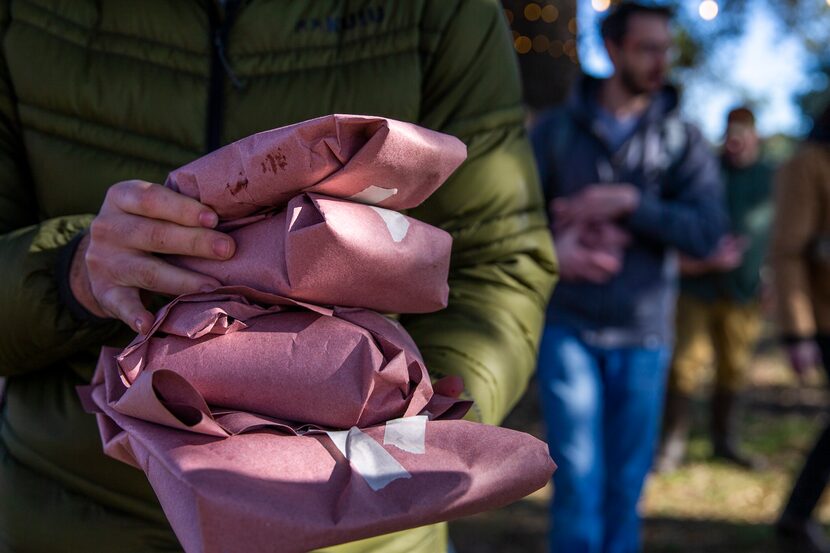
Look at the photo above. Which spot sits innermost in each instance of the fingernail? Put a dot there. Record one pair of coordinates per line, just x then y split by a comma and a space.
222, 247
207, 288
208, 219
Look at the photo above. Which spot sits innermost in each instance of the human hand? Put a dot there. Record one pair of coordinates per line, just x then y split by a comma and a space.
577, 262
596, 203
115, 261
609, 237
805, 357
729, 253
450, 386
727, 256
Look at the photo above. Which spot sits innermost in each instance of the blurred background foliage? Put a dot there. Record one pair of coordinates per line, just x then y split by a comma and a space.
549, 43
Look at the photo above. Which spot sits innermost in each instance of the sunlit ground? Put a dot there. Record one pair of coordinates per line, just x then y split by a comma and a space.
706, 506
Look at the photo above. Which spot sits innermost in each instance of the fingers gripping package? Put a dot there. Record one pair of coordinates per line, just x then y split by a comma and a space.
282, 411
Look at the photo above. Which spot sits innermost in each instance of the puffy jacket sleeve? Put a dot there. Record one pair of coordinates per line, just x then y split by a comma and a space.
797, 222
503, 266
36, 327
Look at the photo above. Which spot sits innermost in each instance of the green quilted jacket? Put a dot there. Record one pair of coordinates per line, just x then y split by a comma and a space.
93, 92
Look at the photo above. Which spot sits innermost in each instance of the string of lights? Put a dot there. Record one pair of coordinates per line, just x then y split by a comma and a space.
547, 12
544, 39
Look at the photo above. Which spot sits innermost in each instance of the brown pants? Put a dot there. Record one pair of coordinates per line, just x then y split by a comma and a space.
721, 332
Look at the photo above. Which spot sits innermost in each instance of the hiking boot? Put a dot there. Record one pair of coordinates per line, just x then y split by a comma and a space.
724, 436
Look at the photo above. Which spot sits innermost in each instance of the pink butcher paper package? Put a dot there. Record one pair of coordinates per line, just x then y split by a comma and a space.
283, 411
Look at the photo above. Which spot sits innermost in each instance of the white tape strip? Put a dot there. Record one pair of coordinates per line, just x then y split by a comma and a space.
373, 195
368, 458
407, 434
397, 224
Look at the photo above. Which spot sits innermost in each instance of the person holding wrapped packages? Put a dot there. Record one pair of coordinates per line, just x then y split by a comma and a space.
264, 421
140, 91
719, 316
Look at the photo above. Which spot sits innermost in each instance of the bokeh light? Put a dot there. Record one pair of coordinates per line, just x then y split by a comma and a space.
602, 5
541, 43
533, 11
522, 44
572, 26
550, 13
708, 10
569, 47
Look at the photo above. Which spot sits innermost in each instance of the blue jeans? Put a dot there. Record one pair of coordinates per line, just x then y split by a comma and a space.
602, 410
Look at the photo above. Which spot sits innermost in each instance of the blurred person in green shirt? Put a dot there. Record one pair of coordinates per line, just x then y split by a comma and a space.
718, 315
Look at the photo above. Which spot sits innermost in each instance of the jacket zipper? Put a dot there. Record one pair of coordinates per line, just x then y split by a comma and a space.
220, 69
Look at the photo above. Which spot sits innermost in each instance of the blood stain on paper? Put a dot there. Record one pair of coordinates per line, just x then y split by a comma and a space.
276, 159
240, 185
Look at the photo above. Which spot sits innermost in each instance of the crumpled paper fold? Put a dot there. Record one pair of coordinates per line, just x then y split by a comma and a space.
362, 368
270, 491
336, 252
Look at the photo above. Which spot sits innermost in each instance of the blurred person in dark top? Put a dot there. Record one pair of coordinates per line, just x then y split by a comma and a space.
628, 183
718, 312
800, 258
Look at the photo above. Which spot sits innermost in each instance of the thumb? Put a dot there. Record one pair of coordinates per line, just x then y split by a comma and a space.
450, 386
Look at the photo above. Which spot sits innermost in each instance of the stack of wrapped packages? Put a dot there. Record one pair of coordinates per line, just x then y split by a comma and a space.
283, 412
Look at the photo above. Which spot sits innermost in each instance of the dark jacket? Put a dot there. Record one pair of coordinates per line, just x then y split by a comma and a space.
748, 196
681, 208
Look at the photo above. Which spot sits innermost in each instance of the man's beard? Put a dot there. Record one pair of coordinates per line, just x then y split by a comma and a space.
631, 85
